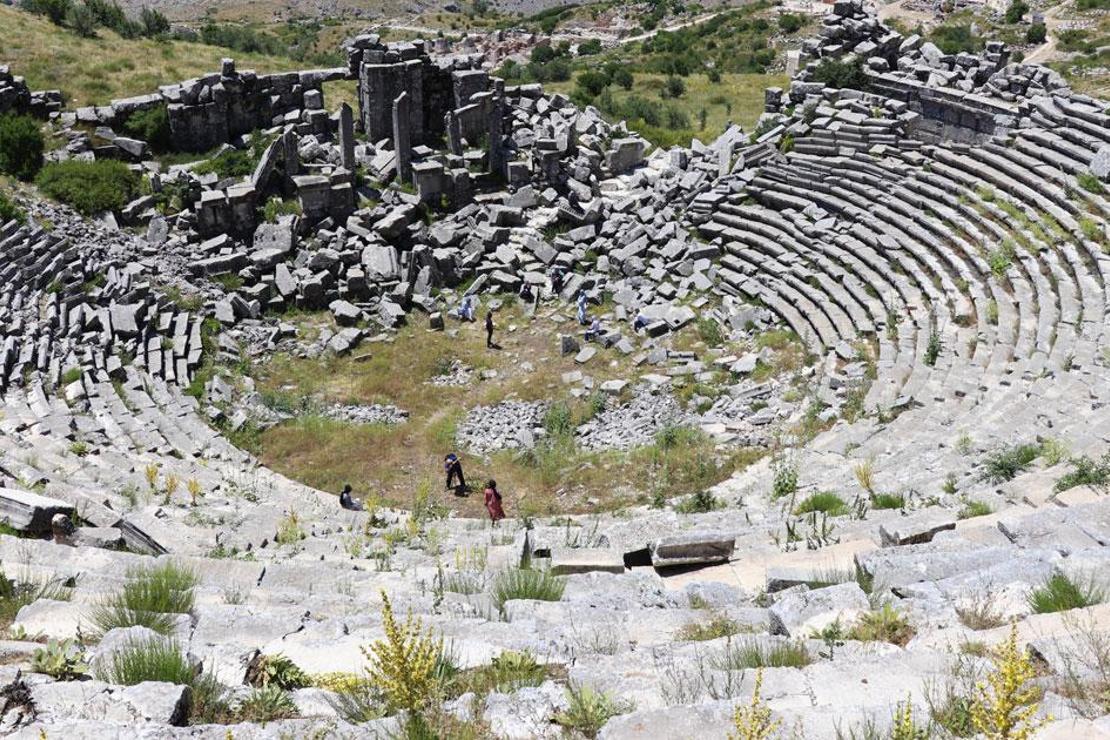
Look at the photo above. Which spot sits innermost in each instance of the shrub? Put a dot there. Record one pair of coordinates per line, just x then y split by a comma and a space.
592, 83
1036, 34
151, 597
9, 211
1004, 464
754, 720
932, 349
153, 22
1017, 9
403, 664
761, 653
883, 625
266, 705
355, 699
824, 501
1059, 593
1006, 705
790, 22
952, 39
276, 670
785, 481
147, 660
90, 187
1085, 472
588, 709
621, 76
592, 46
709, 331
63, 660
674, 87
152, 125
839, 74
508, 672
526, 583
21, 146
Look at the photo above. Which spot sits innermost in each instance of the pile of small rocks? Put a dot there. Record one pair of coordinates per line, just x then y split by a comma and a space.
634, 424
510, 425
460, 374
375, 413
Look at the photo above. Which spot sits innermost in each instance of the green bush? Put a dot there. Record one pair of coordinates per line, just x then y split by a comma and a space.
592, 82
526, 583
147, 660
674, 87
82, 21
277, 670
21, 146
153, 22
151, 597
152, 126
587, 48
266, 705
824, 501
1059, 593
1017, 9
790, 22
90, 187
1036, 34
9, 211
888, 501
883, 625
835, 73
1004, 464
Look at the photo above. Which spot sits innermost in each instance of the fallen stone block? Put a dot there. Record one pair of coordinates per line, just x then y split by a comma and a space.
568, 561
691, 549
30, 512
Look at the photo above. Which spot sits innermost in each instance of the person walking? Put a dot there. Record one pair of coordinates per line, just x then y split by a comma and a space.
493, 502
489, 330
452, 465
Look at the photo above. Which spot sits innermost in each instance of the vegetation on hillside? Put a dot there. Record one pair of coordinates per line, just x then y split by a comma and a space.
90, 187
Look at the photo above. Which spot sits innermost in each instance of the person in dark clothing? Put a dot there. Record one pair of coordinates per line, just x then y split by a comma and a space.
493, 502
452, 465
557, 281
489, 329
346, 501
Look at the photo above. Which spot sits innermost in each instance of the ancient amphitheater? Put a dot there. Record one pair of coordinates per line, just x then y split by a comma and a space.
950, 219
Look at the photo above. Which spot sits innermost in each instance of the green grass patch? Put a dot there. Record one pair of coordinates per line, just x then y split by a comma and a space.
1006, 463
888, 501
1060, 593
824, 501
90, 187
525, 583
761, 653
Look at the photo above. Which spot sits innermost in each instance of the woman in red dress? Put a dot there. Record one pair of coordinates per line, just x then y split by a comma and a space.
493, 502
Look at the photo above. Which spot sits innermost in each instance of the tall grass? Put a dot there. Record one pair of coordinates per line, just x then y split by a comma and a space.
151, 597
1060, 593
147, 660
526, 583
824, 501
758, 653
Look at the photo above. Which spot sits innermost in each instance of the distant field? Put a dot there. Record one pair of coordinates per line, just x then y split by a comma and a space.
94, 71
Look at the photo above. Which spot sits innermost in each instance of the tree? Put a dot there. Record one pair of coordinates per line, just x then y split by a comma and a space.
154, 23
592, 83
1017, 9
621, 76
586, 48
674, 87
1036, 34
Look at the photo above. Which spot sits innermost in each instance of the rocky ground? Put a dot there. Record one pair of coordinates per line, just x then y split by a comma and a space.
936, 243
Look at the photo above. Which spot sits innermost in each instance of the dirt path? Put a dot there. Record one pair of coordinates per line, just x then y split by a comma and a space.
1052, 22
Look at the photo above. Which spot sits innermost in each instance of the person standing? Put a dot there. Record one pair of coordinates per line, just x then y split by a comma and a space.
489, 329
452, 465
582, 307
493, 502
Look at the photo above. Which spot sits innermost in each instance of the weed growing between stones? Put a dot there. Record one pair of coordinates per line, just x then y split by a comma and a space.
1060, 593
754, 721
717, 626
14, 595
1085, 472
403, 664
266, 705
589, 709
147, 660
885, 624
151, 597
62, 660
760, 653
1005, 463
1085, 676
972, 509
1005, 707
825, 501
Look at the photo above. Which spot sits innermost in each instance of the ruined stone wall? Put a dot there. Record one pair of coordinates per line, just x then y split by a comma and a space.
16, 97
205, 112
384, 72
